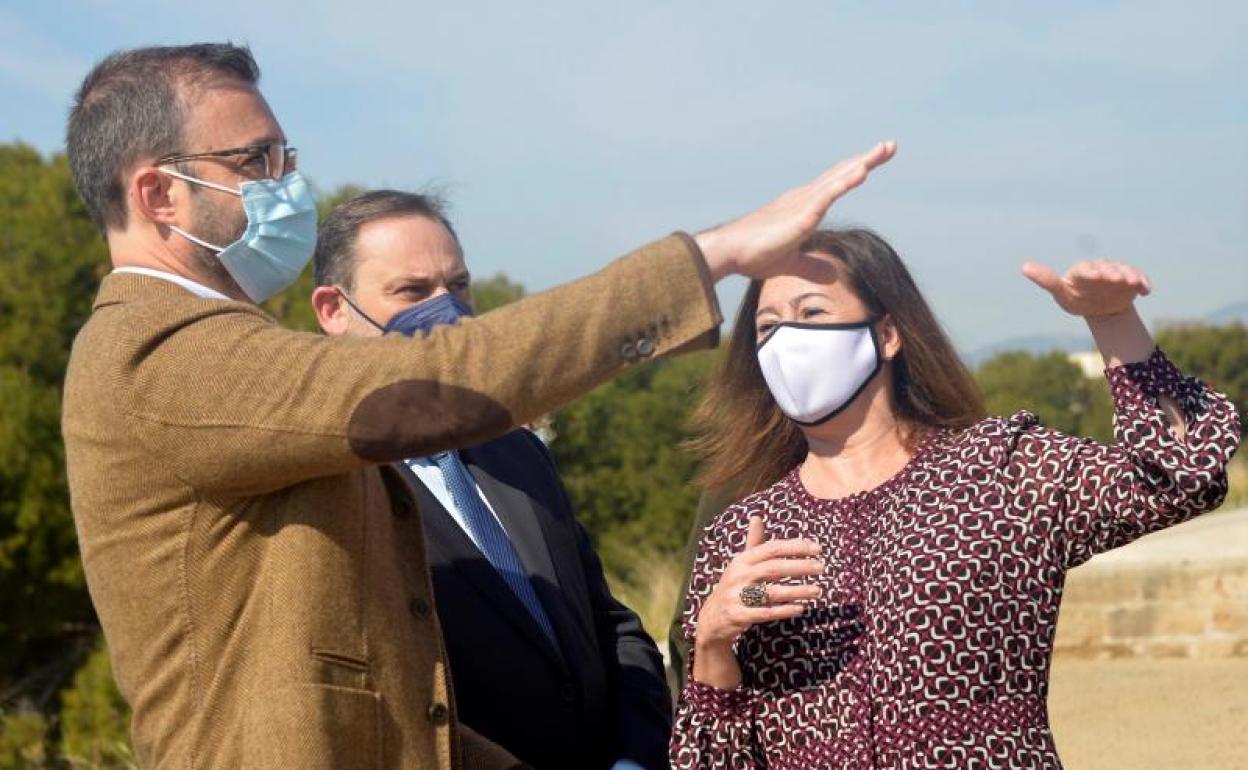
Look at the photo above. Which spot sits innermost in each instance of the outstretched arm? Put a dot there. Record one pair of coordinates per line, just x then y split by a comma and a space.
1173, 435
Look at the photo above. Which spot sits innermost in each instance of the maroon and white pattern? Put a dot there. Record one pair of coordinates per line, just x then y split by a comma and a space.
930, 645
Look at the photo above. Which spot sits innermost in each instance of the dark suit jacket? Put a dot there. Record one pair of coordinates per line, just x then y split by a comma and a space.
603, 695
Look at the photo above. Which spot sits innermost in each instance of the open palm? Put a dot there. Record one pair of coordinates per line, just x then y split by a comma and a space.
1093, 288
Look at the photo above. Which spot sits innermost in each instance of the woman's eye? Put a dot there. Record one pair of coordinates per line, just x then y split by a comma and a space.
811, 312
763, 329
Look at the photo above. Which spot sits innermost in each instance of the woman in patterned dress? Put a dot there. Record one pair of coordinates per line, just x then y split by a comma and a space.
887, 599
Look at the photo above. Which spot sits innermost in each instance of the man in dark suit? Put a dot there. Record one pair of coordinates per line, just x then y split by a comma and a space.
543, 659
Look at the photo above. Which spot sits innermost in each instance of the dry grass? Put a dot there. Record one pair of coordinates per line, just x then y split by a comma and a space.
652, 594
1146, 714
1237, 497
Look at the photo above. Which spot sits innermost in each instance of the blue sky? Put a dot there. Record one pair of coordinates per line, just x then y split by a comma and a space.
565, 133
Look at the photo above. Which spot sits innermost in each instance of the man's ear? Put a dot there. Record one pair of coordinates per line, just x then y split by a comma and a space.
890, 338
153, 197
331, 311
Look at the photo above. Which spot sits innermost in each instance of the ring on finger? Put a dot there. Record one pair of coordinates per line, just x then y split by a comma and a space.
754, 595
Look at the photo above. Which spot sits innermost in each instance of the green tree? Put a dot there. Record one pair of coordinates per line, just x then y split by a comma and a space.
51, 261
619, 452
494, 292
1218, 355
1049, 385
95, 720
23, 739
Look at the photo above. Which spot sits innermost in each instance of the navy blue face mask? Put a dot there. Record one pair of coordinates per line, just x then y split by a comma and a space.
421, 317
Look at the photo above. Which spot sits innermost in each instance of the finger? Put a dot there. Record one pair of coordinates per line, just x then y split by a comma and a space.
1043, 276
876, 156
754, 536
1085, 271
1112, 272
847, 175
781, 569
776, 549
1134, 278
752, 616
879, 154
792, 594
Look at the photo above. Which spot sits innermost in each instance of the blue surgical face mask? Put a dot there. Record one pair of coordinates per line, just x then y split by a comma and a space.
280, 235
421, 317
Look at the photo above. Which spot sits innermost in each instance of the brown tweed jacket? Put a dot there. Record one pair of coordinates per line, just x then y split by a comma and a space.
260, 579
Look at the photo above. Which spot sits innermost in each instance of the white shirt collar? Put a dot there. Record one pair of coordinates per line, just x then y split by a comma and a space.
198, 289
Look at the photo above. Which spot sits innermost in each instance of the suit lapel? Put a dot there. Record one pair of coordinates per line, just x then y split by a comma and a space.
442, 530
533, 532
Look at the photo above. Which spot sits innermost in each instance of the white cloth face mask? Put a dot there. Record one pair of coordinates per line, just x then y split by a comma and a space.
814, 371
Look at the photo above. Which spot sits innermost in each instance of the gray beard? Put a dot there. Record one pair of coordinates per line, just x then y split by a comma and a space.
219, 226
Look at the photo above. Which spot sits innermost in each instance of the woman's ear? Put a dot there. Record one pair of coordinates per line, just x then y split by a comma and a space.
889, 337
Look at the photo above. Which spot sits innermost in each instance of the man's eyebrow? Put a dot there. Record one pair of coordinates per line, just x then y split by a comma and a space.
407, 278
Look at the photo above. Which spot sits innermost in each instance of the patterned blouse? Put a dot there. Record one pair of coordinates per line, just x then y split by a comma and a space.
930, 644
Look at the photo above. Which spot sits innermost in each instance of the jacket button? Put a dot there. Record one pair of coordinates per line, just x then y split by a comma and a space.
439, 714
645, 347
419, 607
402, 508
567, 692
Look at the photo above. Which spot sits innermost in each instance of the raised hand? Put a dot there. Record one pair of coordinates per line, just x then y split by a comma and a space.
758, 244
725, 615
1091, 289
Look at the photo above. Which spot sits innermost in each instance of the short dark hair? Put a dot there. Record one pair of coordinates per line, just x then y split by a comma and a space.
132, 106
335, 241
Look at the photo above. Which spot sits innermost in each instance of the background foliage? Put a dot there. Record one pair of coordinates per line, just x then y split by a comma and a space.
618, 448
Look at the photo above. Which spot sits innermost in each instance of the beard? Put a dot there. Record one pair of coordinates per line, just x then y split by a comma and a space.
219, 220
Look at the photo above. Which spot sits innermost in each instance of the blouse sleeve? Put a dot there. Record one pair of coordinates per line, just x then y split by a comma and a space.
1099, 497
714, 728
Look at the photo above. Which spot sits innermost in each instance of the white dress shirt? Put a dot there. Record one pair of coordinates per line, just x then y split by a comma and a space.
431, 476
198, 289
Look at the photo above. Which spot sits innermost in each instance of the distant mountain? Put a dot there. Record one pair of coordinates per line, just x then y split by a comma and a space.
1229, 314
1041, 343
1076, 343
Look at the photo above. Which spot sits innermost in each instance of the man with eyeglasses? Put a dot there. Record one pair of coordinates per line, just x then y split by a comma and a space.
256, 564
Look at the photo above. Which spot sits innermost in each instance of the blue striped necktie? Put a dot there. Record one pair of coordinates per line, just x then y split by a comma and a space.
491, 538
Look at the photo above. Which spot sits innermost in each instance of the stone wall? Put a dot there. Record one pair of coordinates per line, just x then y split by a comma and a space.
1182, 593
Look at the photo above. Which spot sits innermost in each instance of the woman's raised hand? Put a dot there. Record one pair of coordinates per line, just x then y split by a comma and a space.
1091, 289
725, 615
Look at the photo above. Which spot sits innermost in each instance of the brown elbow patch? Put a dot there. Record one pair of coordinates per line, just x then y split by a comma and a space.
412, 418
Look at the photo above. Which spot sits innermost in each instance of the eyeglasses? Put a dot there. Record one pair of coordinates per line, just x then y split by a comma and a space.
273, 158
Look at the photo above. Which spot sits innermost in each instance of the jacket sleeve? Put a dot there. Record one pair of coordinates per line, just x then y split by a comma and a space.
642, 702
476, 752
235, 404
1097, 497
714, 728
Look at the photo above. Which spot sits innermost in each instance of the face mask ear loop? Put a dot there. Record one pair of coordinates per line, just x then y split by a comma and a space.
193, 239
342, 293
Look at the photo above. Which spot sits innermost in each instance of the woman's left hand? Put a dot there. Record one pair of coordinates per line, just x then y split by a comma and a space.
1092, 289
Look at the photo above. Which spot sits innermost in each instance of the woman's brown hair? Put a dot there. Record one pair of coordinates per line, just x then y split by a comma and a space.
746, 443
